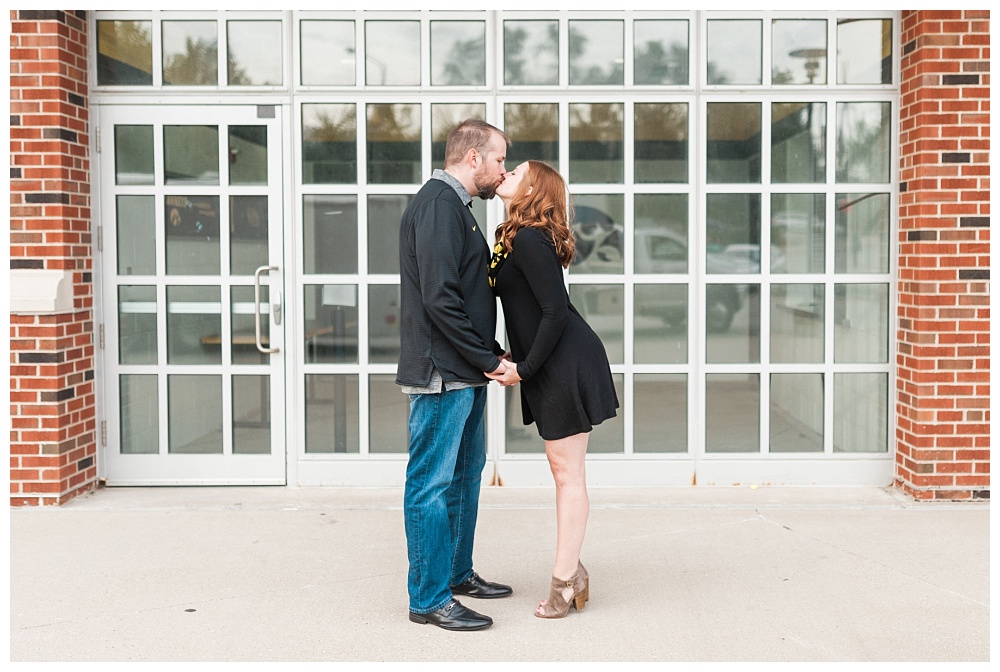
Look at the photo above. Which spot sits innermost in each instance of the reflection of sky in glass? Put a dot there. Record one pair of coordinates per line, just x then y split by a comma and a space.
734, 52
328, 52
535, 59
797, 46
393, 53
601, 55
451, 60
861, 45
176, 34
255, 48
862, 142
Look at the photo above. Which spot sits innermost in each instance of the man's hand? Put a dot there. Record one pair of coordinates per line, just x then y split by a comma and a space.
498, 373
509, 377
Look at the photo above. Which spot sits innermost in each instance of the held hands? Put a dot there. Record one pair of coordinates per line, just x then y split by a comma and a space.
506, 373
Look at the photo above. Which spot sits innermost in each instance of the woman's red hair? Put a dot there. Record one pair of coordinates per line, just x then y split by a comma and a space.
546, 207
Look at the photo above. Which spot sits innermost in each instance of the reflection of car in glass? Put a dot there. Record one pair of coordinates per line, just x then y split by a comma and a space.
663, 251
599, 239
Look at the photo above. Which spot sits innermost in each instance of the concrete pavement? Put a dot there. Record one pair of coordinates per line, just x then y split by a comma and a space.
677, 574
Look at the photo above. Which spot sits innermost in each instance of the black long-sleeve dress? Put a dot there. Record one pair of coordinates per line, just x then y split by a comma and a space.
566, 384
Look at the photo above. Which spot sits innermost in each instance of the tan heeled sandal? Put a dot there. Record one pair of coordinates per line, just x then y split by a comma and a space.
558, 606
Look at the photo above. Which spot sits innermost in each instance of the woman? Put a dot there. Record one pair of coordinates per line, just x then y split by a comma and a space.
566, 384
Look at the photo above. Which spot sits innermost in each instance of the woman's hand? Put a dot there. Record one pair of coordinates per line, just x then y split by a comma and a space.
510, 377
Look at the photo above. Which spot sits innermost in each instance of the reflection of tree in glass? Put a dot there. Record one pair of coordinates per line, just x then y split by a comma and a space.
597, 121
334, 123
198, 64
534, 129
125, 53
595, 74
515, 40
661, 121
782, 77
393, 123
657, 66
465, 64
237, 75
715, 75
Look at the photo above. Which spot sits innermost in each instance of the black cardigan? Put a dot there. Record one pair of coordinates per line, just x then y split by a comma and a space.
447, 309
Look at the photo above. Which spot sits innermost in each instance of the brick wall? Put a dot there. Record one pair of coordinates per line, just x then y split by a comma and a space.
943, 366
53, 444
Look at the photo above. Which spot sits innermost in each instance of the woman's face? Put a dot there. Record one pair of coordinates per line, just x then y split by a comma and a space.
512, 181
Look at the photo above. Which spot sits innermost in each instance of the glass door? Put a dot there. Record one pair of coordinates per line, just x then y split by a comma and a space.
191, 242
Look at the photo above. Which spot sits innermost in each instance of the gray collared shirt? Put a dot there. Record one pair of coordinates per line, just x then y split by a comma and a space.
437, 385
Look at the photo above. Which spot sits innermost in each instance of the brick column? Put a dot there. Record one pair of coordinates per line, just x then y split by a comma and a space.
943, 337
53, 444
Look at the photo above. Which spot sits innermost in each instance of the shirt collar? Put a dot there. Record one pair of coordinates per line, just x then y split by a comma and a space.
451, 181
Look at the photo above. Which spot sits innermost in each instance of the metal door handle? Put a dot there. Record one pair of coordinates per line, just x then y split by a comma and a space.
256, 308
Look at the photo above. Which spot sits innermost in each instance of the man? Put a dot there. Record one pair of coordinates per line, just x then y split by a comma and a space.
447, 352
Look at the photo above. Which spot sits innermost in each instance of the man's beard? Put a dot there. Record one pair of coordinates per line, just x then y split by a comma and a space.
486, 190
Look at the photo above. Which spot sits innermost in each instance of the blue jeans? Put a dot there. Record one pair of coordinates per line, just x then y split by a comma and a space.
441, 499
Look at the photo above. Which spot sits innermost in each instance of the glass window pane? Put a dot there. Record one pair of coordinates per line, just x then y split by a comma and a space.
194, 414
329, 144
596, 52
732, 413
194, 325
328, 53
798, 142
393, 143
798, 233
599, 233
458, 53
733, 237
861, 323
797, 322
661, 52
190, 53
331, 324
861, 237
392, 53
798, 50
609, 436
330, 234
534, 131
446, 116
136, 324
191, 154
248, 155
603, 307
864, 51
332, 424
136, 228
597, 142
530, 53
254, 53
661, 319
383, 324
192, 235
661, 233
124, 53
251, 415
140, 415
661, 142
860, 412
734, 51
388, 414
247, 234
660, 416
796, 413
732, 323
863, 142
243, 344
384, 216
733, 137
134, 155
